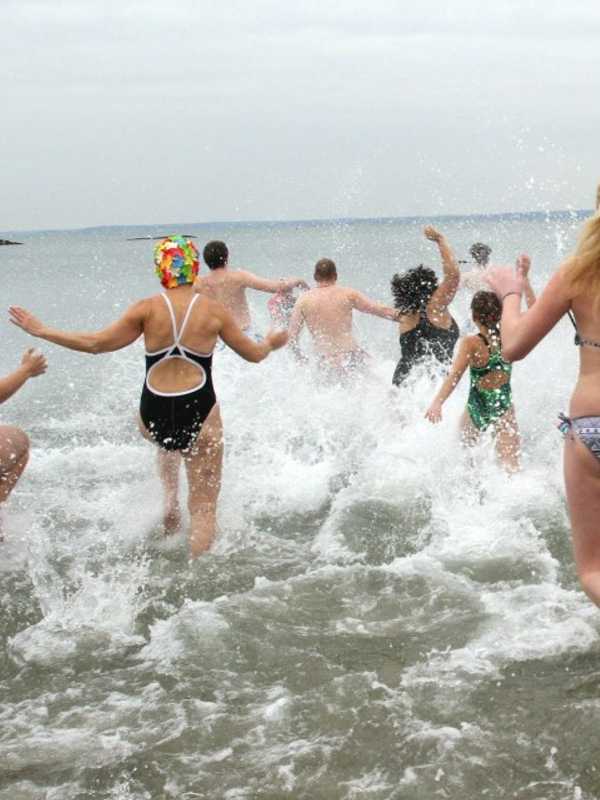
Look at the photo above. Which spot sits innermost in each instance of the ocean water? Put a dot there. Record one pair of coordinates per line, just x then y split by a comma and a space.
383, 616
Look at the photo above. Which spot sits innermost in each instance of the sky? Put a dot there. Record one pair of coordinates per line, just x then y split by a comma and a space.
161, 111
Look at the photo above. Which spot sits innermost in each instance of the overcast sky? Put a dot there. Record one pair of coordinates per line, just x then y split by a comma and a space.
187, 111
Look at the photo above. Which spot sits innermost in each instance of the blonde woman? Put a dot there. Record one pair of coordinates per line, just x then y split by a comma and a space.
574, 289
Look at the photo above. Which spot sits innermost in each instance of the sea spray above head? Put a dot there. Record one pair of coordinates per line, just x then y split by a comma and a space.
176, 260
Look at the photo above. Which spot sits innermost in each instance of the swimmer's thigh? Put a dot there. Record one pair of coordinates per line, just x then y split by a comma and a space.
204, 461
14, 448
469, 434
582, 483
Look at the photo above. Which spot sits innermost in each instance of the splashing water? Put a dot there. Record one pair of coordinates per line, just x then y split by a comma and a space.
383, 614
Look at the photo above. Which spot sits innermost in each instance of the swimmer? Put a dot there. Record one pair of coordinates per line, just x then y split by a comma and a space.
327, 311
178, 408
228, 285
474, 279
574, 289
281, 306
490, 402
14, 443
426, 326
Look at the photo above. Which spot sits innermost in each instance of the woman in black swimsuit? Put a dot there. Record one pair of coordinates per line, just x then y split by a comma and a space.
178, 409
427, 328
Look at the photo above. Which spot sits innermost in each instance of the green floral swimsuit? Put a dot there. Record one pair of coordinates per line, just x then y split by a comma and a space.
486, 406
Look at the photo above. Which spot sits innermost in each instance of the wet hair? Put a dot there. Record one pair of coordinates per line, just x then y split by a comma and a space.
215, 254
480, 252
413, 289
486, 309
325, 270
583, 274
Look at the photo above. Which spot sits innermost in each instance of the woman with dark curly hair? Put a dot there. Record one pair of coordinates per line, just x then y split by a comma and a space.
426, 326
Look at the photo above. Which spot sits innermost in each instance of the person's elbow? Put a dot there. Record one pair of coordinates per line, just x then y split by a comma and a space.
95, 345
514, 351
256, 354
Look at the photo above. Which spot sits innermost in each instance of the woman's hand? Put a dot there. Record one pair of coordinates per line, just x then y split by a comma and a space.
34, 363
25, 320
504, 280
432, 234
434, 412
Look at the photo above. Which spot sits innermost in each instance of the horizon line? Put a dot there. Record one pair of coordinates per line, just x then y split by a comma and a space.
313, 220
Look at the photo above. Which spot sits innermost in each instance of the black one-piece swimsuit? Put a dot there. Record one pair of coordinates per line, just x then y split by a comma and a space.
174, 419
423, 341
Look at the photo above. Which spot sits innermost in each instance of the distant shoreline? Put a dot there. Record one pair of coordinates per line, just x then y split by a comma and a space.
172, 226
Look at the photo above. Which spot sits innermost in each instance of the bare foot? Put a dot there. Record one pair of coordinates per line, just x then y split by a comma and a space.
172, 520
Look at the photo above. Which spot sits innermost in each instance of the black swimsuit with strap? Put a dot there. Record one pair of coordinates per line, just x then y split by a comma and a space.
422, 342
174, 419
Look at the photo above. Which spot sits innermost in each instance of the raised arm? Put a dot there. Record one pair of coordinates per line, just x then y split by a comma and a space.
459, 365
521, 332
234, 337
362, 303
252, 281
121, 333
444, 294
32, 364
523, 267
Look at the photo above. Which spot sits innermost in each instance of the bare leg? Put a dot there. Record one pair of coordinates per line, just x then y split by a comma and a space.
204, 465
14, 454
508, 441
169, 462
582, 481
168, 470
469, 434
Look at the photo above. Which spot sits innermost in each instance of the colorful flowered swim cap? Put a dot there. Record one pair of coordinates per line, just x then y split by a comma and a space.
176, 260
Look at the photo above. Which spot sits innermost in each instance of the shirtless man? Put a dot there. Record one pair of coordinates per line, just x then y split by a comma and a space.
228, 286
327, 312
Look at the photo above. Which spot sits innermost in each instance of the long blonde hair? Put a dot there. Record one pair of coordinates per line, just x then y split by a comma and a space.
584, 273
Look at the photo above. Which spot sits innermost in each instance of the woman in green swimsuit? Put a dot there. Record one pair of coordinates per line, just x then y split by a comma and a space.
490, 397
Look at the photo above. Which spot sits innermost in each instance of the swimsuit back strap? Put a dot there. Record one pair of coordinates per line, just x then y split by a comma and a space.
572, 318
178, 334
578, 340
187, 316
172, 315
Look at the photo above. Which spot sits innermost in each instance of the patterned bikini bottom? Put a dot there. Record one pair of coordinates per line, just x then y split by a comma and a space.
585, 428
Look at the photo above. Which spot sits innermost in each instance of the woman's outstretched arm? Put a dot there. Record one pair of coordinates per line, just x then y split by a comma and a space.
459, 365
121, 333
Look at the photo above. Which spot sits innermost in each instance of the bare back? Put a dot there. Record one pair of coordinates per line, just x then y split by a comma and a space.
228, 287
200, 335
586, 395
327, 311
